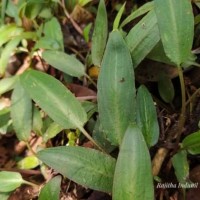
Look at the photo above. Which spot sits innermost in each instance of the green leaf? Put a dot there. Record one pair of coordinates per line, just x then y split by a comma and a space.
192, 143
118, 17
4, 195
133, 168
89, 107
37, 121
9, 181
166, 88
8, 32
52, 131
66, 63
4, 116
86, 32
54, 98
51, 190
46, 13
99, 137
47, 43
158, 54
140, 11
177, 38
7, 84
100, 34
147, 116
181, 166
143, 37
3, 11
50, 33
87, 167
6, 53
29, 162
83, 2
33, 8
116, 89
21, 112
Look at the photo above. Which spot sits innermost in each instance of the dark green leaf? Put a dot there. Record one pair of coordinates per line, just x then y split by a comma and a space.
37, 121
54, 98
192, 143
33, 8
7, 84
158, 54
176, 26
100, 138
181, 166
50, 33
4, 116
100, 34
51, 190
7, 51
140, 11
21, 112
147, 116
133, 168
143, 37
4, 195
66, 63
116, 89
87, 167
52, 130
166, 88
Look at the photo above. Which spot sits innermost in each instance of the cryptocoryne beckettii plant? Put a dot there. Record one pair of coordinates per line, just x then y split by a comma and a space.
125, 116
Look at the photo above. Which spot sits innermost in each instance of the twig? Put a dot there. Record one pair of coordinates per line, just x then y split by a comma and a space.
75, 25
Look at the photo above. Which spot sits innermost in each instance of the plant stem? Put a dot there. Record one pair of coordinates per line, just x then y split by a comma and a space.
193, 96
87, 135
31, 184
30, 149
183, 106
75, 25
89, 78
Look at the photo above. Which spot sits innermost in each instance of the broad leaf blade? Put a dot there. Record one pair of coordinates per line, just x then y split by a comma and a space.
140, 11
87, 167
29, 162
10, 181
133, 168
181, 166
7, 51
143, 37
176, 26
8, 32
52, 130
147, 116
100, 34
166, 88
54, 98
192, 143
50, 33
116, 89
37, 121
21, 112
65, 63
51, 190
7, 84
